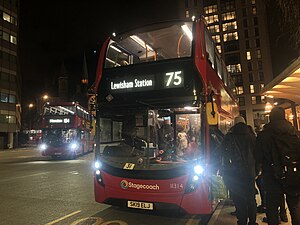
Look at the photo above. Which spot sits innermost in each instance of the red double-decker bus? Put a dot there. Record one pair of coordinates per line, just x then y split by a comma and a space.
67, 130
164, 100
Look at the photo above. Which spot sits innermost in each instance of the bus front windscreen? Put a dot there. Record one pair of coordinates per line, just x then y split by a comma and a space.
58, 137
151, 138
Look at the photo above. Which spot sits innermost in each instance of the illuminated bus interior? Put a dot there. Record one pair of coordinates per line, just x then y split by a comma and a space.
169, 41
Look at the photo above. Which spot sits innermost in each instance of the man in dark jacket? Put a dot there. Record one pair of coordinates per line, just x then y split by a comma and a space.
265, 150
239, 170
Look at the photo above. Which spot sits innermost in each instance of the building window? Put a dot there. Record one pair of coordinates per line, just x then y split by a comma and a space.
228, 5
216, 38
248, 55
256, 30
240, 90
253, 100
245, 22
4, 76
187, 14
214, 28
253, 2
12, 99
233, 58
228, 16
219, 48
210, 9
186, 3
249, 64
262, 85
238, 79
230, 36
212, 19
257, 42
247, 44
234, 68
13, 39
263, 99
261, 76
255, 22
9, 18
251, 78
251, 88
6, 17
246, 34
195, 3
260, 65
258, 52
231, 46
254, 10
5, 36
242, 101
244, 11
3, 97
229, 26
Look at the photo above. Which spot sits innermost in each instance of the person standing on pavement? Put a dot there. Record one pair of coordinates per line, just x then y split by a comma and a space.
265, 148
238, 170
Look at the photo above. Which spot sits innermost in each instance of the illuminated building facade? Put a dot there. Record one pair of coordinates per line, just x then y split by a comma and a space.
239, 29
10, 107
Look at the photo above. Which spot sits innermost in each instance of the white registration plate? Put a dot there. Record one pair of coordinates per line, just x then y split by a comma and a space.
140, 205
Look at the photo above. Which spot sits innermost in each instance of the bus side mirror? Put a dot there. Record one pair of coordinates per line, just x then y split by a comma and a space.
212, 113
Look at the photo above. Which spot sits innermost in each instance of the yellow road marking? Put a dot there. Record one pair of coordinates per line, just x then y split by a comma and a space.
64, 217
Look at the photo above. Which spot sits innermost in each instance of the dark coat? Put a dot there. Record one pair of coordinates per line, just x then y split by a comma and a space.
265, 150
245, 140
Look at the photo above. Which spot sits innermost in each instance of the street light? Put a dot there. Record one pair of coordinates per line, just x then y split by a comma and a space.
30, 105
45, 97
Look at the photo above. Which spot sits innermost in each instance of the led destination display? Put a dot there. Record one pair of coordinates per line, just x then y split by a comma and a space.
171, 79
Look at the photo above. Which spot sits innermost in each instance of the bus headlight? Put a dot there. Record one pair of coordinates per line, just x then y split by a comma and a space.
43, 147
195, 178
98, 175
198, 169
73, 146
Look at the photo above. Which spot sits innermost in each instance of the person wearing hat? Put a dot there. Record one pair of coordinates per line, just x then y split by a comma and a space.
238, 170
265, 149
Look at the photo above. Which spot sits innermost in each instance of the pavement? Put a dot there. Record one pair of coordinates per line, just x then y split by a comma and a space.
222, 215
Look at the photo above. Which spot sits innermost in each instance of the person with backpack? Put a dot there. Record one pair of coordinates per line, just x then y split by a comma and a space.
238, 170
277, 154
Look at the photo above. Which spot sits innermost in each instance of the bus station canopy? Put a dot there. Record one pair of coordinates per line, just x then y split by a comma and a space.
286, 85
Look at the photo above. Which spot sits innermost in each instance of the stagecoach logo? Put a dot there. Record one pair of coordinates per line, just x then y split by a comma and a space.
125, 185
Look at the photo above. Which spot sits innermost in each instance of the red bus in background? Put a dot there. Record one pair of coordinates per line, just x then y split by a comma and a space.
67, 130
164, 100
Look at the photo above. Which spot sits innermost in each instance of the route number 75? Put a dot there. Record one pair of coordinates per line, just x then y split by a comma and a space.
174, 79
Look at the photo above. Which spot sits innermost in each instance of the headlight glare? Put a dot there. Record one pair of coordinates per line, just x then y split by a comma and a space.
74, 146
97, 165
198, 169
195, 178
43, 147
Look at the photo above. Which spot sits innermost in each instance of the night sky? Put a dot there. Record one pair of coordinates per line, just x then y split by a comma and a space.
56, 31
